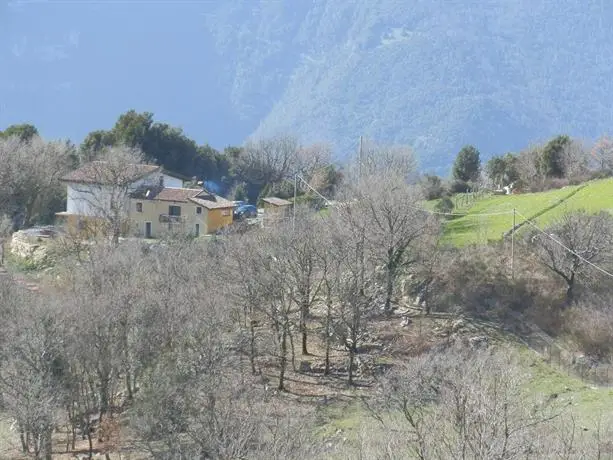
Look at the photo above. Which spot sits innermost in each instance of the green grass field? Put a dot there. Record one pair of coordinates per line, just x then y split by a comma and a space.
543, 207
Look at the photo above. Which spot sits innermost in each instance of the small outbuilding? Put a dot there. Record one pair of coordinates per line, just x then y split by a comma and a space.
276, 209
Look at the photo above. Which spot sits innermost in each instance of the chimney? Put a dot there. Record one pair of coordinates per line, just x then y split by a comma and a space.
161, 181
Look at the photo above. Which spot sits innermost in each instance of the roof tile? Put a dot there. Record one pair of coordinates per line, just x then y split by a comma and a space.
98, 172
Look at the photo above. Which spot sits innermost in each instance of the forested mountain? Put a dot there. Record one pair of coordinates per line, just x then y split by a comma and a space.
434, 74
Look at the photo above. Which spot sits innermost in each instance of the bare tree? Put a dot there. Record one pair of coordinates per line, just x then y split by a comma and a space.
300, 262
267, 161
602, 153
31, 368
527, 166
312, 158
395, 227
111, 178
384, 160
244, 292
30, 172
355, 288
331, 262
104, 299
192, 402
6, 228
590, 322
463, 404
567, 245
575, 159
263, 293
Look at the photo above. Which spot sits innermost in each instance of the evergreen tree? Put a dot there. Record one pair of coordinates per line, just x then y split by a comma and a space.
467, 164
551, 161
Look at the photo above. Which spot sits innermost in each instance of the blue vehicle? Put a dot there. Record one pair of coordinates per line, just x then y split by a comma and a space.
245, 211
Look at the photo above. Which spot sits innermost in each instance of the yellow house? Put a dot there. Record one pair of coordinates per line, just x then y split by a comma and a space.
155, 212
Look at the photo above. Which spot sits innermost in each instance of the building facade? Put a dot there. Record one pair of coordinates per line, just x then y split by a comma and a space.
144, 200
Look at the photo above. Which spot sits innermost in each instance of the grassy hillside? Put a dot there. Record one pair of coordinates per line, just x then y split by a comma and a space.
477, 227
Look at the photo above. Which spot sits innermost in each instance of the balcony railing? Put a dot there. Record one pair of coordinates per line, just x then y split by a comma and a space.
167, 219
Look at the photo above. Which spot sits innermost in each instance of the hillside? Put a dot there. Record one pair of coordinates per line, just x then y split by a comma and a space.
436, 75
488, 218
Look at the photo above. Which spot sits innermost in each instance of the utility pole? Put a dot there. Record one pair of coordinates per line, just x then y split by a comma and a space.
360, 161
294, 204
513, 248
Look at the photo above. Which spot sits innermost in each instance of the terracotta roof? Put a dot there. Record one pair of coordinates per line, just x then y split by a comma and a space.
276, 201
97, 172
182, 195
211, 201
176, 194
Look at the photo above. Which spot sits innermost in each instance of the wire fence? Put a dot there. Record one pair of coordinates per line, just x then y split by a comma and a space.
578, 364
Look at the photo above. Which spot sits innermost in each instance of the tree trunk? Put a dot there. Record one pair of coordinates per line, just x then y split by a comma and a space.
389, 289
304, 314
351, 360
104, 401
328, 335
90, 440
304, 311
291, 344
104, 397
116, 234
48, 444
570, 293
72, 434
283, 359
129, 386
252, 350
24, 438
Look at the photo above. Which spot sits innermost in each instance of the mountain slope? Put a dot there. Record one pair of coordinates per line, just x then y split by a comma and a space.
432, 73
441, 74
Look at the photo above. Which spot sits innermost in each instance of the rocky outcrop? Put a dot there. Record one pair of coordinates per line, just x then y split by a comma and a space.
30, 248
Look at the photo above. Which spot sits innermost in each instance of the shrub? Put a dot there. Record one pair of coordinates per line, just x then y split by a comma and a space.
552, 183
432, 187
592, 328
601, 174
444, 205
459, 186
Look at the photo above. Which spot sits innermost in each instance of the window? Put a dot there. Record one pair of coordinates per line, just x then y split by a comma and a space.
198, 210
225, 212
139, 207
174, 210
197, 230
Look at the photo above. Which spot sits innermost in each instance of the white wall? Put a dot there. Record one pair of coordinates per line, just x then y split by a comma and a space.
86, 199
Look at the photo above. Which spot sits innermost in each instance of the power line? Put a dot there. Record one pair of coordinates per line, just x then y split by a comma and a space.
312, 189
555, 240
502, 213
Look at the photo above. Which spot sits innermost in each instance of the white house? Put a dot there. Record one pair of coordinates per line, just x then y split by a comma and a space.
94, 186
